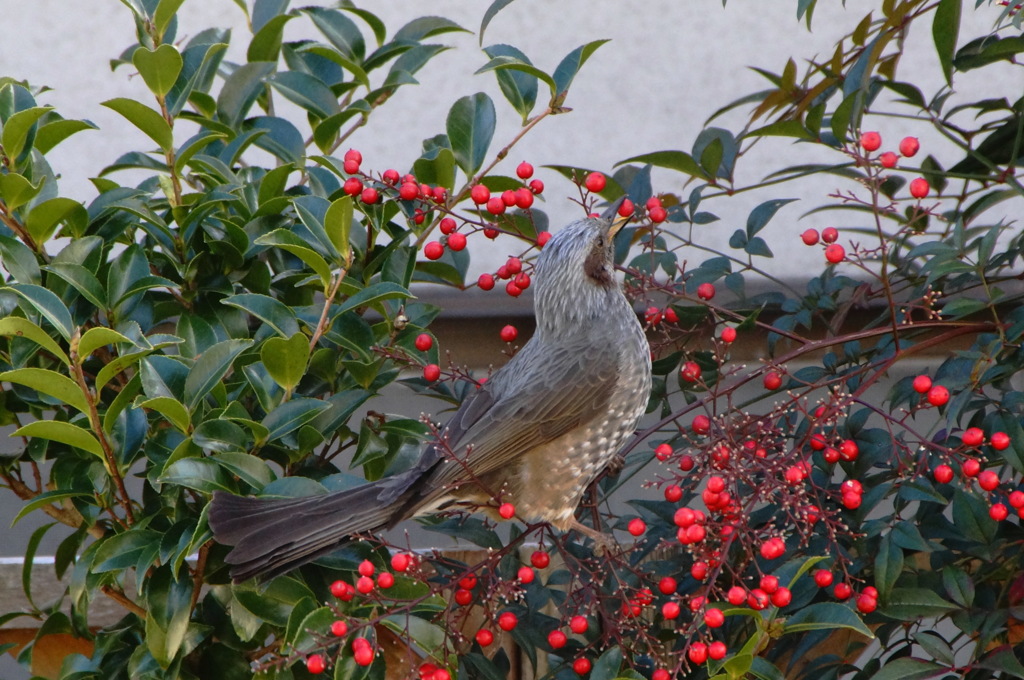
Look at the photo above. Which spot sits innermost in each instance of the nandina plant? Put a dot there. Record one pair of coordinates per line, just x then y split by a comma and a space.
822, 510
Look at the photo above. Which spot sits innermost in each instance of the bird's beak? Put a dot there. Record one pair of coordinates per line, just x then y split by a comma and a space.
611, 215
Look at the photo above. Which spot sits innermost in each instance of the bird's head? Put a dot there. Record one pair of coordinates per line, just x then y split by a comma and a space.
575, 272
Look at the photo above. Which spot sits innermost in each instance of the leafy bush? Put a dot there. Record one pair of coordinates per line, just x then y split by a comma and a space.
218, 325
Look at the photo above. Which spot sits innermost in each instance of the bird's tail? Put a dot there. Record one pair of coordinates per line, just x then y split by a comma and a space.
271, 536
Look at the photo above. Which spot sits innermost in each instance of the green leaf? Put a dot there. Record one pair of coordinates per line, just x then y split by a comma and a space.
210, 367
825, 616
510, 62
53, 133
888, 566
51, 383
762, 214
201, 474
19, 327
164, 14
492, 10
425, 27
16, 190
117, 365
82, 280
46, 498
171, 409
385, 290
958, 585
945, 29
470, 128
907, 668
306, 91
570, 65
673, 160
43, 219
96, 337
144, 118
124, 550
241, 89
19, 127
159, 68
251, 469
291, 415
286, 359
608, 665
909, 604
286, 240
65, 433
48, 305
266, 44
271, 311
169, 609
338, 225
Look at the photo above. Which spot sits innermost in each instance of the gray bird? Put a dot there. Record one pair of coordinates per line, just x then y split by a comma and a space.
535, 434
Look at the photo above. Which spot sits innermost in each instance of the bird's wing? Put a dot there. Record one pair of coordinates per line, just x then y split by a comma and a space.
540, 395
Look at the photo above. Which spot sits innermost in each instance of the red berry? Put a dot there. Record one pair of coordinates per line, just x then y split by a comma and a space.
663, 452
829, 234
484, 637
842, 591
351, 167
424, 342
1017, 499
973, 436
579, 625
540, 559
670, 610
870, 141
507, 621
699, 571
364, 584
810, 237
524, 170
660, 674
637, 526
888, 159
353, 155
769, 583
690, 372
626, 208
595, 182
390, 176
919, 187
714, 618
366, 568
447, 225
653, 316
998, 512
922, 384
431, 372
667, 585
835, 253
657, 214
866, 604
557, 639
670, 315
673, 493
736, 596
542, 238
697, 653
782, 597
363, 656
408, 191
485, 282
938, 395
536, 186
385, 580
909, 146
339, 629
508, 197
1000, 441
512, 289
463, 597
507, 511
400, 562
353, 186
433, 250
653, 202
509, 333
342, 590
729, 334
717, 650
772, 381
457, 241
988, 480
495, 205
480, 194
823, 577
943, 474
524, 198
522, 280
849, 450
370, 196
705, 291
701, 424
526, 574
315, 664
773, 548
581, 666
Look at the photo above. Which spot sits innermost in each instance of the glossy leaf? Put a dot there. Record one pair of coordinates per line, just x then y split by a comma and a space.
65, 433
908, 668
144, 118
945, 30
825, 616
171, 409
570, 65
44, 218
41, 300
285, 359
159, 68
271, 311
19, 128
210, 367
18, 326
470, 128
50, 383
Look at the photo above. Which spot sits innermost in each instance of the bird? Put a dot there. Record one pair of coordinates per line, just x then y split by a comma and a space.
536, 434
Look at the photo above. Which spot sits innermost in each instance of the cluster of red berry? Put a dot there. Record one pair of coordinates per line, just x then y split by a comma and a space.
909, 146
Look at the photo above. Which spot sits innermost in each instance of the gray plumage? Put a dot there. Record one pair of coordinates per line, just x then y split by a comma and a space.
537, 433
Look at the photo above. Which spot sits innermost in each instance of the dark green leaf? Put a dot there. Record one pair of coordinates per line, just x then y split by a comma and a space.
470, 128
144, 118
825, 616
159, 68
39, 299
945, 29
570, 65
907, 668
909, 604
212, 365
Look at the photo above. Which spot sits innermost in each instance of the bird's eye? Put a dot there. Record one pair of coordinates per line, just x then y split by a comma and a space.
600, 241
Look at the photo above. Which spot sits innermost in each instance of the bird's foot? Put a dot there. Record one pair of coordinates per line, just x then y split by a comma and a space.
603, 542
